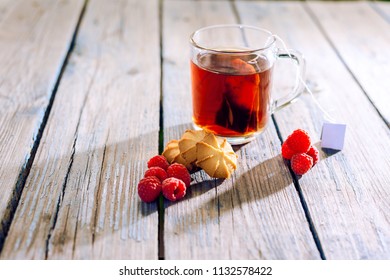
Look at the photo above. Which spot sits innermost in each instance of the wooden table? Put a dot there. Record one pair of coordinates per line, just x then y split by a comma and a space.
90, 90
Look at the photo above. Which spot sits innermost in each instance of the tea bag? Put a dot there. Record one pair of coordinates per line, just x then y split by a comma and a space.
242, 67
332, 136
242, 90
333, 133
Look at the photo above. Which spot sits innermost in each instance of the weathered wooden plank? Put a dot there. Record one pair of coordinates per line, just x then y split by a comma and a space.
255, 214
80, 199
383, 8
364, 48
5, 7
35, 37
347, 193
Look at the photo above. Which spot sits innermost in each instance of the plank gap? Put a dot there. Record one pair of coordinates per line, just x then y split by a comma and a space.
60, 199
25, 170
338, 54
160, 205
312, 228
294, 177
379, 11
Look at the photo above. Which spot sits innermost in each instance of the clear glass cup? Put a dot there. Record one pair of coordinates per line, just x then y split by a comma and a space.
231, 77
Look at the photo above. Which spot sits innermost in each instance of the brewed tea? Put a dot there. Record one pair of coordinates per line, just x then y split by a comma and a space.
231, 93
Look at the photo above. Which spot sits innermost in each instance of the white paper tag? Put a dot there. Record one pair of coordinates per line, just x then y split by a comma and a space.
332, 136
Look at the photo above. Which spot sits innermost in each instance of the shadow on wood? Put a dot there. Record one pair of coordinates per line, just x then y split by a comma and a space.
255, 185
83, 204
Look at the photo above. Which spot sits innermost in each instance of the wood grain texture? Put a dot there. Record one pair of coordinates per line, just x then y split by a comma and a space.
6, 6
383, 8
80, 200
254, 215
34, 40
365, 48
346, 192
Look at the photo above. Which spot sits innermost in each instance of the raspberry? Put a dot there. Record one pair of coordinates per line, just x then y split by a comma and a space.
173, 189
314, 154
159, 161
301, 163
287, 153
149, 188
160, 173
299, 141
179, 171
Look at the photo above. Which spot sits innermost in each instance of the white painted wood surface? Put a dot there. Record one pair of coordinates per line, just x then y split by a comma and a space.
78, 198
254, 215
347, 193
383, 8
364, 49
34, 40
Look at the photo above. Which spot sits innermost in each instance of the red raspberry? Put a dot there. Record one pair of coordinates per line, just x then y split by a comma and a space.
301, 163
173, 189
287, 153
156, 171
314, 154
299, 141
179, 171
159, 161
149, 188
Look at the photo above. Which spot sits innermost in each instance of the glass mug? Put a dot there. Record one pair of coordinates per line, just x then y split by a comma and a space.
231, 76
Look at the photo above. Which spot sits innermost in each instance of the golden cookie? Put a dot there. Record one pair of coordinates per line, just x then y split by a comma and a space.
187, 144
172, 154
218, 160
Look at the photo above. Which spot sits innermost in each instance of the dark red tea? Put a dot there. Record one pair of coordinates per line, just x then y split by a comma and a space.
231, 93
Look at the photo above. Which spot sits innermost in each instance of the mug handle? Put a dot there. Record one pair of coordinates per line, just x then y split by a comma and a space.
299, 85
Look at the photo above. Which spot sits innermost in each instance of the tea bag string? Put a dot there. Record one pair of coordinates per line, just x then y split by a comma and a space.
327, 116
